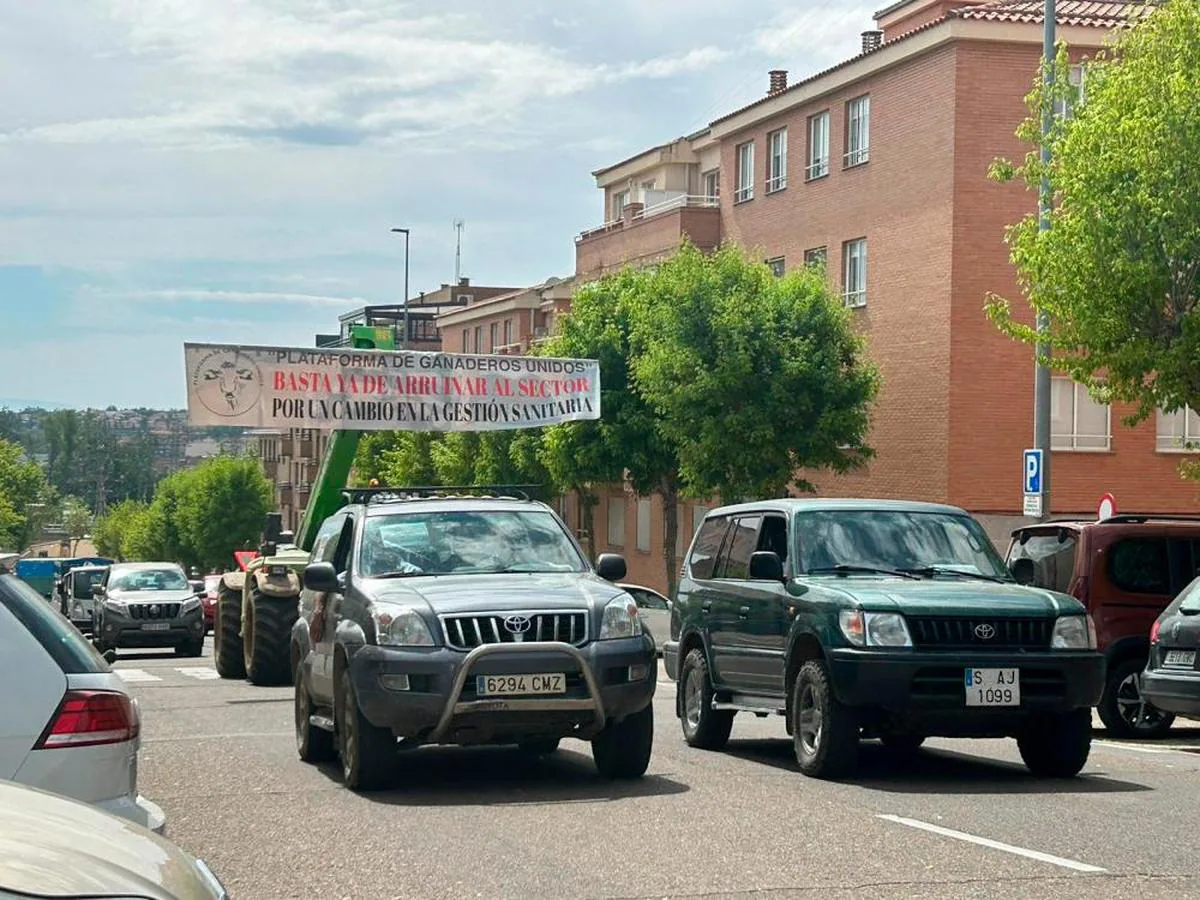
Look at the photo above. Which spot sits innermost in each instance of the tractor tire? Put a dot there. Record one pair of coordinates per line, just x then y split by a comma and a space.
227, 635
267, 638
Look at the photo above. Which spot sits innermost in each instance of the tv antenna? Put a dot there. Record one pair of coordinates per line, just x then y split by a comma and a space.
458, 227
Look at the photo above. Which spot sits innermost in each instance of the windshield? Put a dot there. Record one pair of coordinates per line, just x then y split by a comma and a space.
895, 540
1053, 559
459, 543
149, 580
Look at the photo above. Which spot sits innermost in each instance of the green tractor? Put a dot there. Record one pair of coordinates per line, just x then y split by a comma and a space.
256, 608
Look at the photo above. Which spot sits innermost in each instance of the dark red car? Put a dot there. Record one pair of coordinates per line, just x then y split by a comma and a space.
208, 600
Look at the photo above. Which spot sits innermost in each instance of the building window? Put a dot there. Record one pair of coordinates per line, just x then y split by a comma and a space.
1179, 431
854, 267
745, 173
858, 130
466, 340
478, 339
643, 526
616, 521
776, 266
508, 332
1064, 109
777, 160
816, 257
818, 145
1077, 420
619, 202
712, 184
493, 334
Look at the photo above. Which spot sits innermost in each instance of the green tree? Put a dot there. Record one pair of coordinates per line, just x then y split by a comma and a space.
24, 496
77, 519
1117, 270
112, 530
220, 507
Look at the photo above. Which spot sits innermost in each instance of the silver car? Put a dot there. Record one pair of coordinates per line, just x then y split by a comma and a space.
654, 610
69, 725
150, 605
51, 846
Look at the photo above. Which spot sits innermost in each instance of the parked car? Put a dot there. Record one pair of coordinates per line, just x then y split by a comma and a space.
149, 605
69, 725
1125, 570
871, 618
465, 620
1171, 680
52, 846
208, 600
654, 610
77, 598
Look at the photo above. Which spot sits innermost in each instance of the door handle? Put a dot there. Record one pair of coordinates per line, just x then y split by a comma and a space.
744, 612
705, 605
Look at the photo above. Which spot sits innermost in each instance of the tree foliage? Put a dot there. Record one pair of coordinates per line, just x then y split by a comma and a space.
1117, 270
77, 519
24, 497
113, 532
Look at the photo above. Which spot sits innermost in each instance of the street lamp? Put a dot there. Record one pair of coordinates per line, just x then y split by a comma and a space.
404, 231
1042, 383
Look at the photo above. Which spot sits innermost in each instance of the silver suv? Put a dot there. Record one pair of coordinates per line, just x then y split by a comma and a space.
149, 605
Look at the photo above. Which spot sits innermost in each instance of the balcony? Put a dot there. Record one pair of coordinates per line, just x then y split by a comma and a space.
286, 496
306, 448
646, 234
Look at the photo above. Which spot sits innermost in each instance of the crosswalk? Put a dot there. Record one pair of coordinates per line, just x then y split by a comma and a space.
141, 676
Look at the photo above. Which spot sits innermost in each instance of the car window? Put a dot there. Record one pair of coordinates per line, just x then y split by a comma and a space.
66, 646
1053, 559
1189, 599
743, 538
773, 537
82, 583
648, 599
156, 579
331, 528
703, 559
1139, 566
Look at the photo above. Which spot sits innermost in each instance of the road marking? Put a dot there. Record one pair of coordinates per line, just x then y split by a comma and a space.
995, 845
203, 673
136, 675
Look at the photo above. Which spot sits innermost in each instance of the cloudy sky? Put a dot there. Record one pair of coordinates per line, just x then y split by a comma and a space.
228, 170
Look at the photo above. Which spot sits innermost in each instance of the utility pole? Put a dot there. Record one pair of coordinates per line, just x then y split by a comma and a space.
1041, 384
404, 231
458, 227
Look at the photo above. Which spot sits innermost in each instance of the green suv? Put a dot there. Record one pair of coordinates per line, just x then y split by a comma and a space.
880, 619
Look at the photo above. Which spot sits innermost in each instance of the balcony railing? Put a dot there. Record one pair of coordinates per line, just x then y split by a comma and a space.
680, 202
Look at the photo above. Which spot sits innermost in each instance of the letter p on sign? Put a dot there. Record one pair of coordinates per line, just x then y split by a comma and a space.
1033, 471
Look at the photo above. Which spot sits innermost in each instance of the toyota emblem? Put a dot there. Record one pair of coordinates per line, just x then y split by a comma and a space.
516, 624
985, 632
154, 611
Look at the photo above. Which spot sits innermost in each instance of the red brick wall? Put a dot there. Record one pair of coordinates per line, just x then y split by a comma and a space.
641, 241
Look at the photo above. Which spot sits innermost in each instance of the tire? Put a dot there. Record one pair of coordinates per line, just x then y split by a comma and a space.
622, 749
901, 743
1057, 746
703, 727
824, 731
315, 745
227, 638
368, 753
191, 648
267, 638
1123, 711
539, 747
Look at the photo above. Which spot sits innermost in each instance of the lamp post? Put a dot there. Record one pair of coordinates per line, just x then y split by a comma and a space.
404, 231
1041, 384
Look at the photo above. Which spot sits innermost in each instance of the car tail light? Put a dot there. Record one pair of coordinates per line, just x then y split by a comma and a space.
88, 718
1154, 631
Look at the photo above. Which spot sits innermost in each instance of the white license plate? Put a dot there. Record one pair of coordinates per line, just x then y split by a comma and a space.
156, 626
513, 685
993, 687
1185, 658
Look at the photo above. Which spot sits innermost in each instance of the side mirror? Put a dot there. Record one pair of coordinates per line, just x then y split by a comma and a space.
611, 566
321, 577
1022, 570
765, 565
97, 590
268, 549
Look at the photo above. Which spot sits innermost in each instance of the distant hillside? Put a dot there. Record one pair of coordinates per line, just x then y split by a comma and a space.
17, 404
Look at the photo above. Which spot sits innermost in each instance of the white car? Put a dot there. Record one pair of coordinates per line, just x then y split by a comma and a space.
67, 723
654, 609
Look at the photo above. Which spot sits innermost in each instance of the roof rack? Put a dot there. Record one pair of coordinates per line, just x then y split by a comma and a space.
441, 492
1150, 517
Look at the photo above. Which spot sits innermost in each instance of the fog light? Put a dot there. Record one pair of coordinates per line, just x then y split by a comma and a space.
394, 682
637, 673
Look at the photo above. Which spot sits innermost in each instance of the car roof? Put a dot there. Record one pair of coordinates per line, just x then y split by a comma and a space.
53, 846
1162, 523
832, 504
388, 507
130, 566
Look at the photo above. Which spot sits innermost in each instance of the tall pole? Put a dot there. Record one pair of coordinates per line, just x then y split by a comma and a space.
1041, 384
404, 231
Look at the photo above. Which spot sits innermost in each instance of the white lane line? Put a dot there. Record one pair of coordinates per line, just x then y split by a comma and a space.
994, 845
136, 675
202, 673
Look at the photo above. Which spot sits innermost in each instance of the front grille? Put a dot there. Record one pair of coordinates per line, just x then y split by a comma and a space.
979, 633
470, 631
154, 610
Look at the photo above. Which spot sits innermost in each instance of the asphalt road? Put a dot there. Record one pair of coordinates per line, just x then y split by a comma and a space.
961, 819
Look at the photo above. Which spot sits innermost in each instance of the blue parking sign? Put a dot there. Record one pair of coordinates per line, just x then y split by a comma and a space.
1033, 471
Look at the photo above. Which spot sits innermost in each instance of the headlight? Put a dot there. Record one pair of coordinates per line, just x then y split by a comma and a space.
401, 627
874, 629
620, 619
1073, 633
189, 604
117, 606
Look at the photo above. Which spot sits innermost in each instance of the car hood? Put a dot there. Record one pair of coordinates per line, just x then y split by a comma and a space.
951, 596
151, 596
495, 593
51, 846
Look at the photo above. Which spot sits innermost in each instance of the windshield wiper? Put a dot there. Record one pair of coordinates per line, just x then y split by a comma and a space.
930, 571
400, 575
844, 569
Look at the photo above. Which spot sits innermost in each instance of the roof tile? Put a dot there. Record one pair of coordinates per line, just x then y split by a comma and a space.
1096, 13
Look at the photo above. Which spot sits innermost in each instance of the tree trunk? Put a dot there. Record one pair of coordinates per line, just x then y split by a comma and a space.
669, 491
587, 518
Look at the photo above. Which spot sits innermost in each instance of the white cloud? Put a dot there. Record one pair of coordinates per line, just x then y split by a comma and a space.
202, 295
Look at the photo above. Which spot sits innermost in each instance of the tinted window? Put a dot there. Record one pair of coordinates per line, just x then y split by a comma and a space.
743, 539
66, 646
165, 579
773, 536
703, 558
1053, 560
1139, 566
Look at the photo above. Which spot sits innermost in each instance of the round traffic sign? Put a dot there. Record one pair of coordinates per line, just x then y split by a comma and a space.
1108, 507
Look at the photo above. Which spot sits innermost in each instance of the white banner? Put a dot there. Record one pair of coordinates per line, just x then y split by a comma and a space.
370, 390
